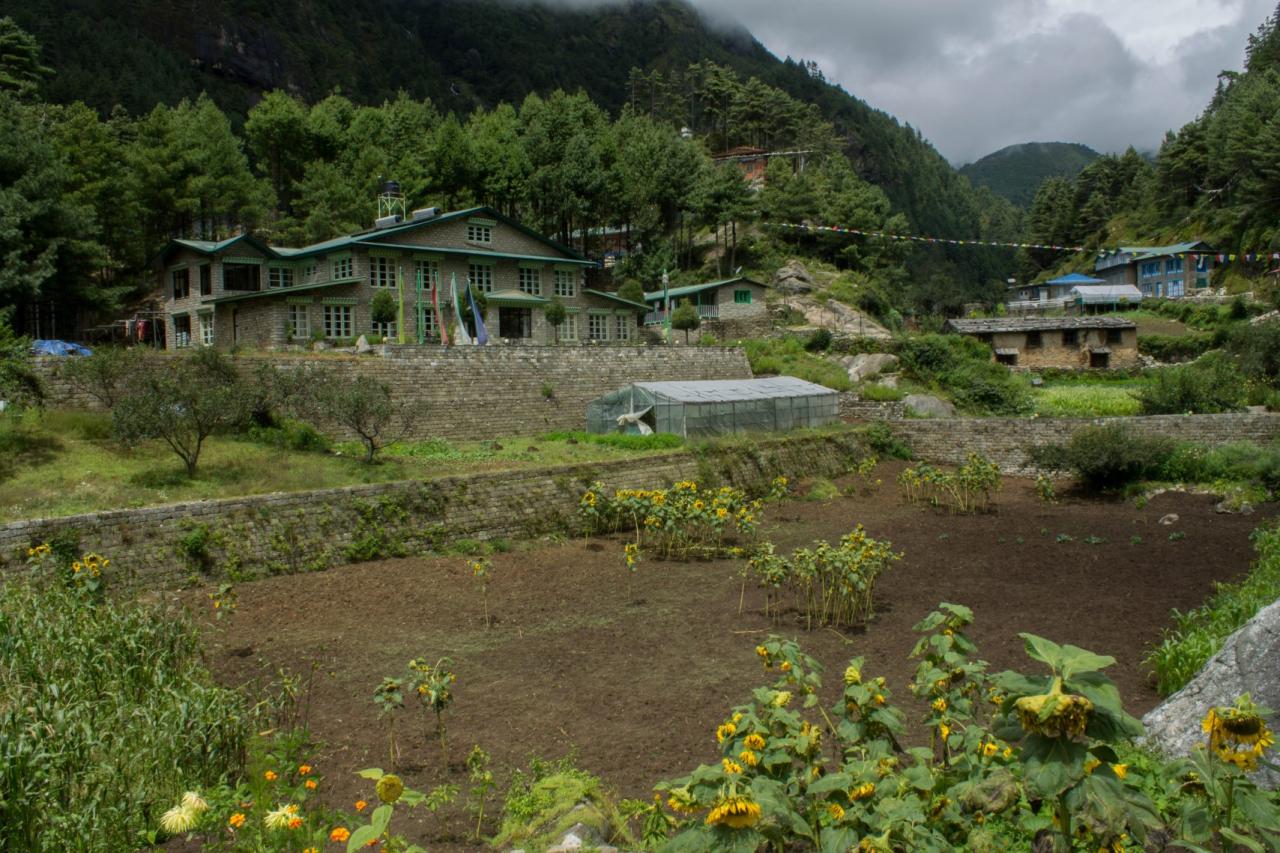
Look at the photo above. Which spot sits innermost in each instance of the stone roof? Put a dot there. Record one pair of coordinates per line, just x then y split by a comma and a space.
1037, 324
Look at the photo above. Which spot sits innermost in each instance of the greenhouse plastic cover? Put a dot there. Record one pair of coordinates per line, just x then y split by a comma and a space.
714, 406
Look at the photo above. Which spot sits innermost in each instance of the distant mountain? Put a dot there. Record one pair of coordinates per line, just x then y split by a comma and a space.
1016, 171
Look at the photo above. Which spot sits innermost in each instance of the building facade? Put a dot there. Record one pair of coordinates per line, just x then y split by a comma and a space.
242, 291
1074, 343
1166, 272
732, 299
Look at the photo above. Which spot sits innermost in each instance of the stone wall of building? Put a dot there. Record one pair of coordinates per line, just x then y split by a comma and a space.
244, 538
484, 392
1007, 440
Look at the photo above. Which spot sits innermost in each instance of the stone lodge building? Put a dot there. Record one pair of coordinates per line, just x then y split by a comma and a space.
243, 291
733, 305
1168, 272
1067, 342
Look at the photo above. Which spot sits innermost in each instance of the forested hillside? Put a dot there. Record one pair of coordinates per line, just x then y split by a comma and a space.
1016, 171
658, 56
1216, 179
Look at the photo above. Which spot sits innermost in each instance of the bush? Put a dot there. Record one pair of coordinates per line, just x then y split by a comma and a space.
819, 341
1210, 385
290, 435
103, 375
1106, 457
1259, 350
622, 441
787, 357
365, 409
19, 384
878, 393
880, 438
962, 367
1174, 347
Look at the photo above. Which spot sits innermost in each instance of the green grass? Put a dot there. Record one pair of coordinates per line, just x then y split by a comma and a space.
1151, 323
1198, 634
65, 463
787, 357
108, 716
1076, 400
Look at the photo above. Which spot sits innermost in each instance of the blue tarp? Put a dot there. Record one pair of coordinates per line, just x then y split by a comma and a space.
58, 348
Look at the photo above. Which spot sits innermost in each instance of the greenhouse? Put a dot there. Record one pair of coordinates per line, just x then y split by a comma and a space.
713, 407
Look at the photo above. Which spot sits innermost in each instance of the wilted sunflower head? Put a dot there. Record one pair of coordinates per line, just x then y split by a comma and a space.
389, 788
1054, 714
734, 811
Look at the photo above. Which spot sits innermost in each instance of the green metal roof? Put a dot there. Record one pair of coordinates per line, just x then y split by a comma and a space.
1142, 253
515, 297
690, 289
283, 291
472, 252
616, 298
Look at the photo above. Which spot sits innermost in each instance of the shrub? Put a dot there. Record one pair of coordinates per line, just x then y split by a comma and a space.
1106, 457
685, 319
1174, 347
1210, 385
819, 341
290, 435
1259, 350
787, 357
19, 385
880, 438
962, 366
878, 393
103, 375
365, 408
621, 441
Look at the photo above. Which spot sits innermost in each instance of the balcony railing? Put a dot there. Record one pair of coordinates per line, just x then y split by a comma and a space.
705, 312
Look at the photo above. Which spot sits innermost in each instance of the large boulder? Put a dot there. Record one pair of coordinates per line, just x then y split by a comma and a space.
1249, 662
792, 277
868, 364
928, 406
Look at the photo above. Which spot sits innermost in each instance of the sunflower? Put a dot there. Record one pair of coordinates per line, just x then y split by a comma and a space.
731, 767
725, 731
754, 741
389, 788
734, 811
749, 758
194, 802
682, 800
861, 792
1238, 734
1054, 714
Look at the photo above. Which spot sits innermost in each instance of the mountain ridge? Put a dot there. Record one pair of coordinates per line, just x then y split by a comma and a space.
1016, 171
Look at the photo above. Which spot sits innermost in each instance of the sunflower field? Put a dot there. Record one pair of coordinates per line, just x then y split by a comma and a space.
684, 522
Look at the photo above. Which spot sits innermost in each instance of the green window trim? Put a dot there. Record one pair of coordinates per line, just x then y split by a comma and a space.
205, 312
477, 220
482, 261
337, 256
339, 300
567, 267
423, 256
531, 265
742, 297
242, 259
384, 253
299, 300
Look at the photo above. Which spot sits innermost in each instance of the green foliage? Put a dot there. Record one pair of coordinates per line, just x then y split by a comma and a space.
819, 340
19, 385
1175, 347
105, 374
962, 367
539, 801
183, 401
969, 488
109, 716
555, 315
656, 441
787, 357
365, 409
1258, 347
685, 319
1207, 386
1016, 171
383, 308
880, 438
290, 435
877, 393
1078, 400
1106, 457
1198, 634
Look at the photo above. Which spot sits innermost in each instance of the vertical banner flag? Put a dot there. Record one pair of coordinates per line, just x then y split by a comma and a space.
435, 301
482, 334
400, 313
460, 336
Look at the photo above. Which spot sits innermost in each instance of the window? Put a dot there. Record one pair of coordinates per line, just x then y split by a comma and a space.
337, 321
1033, 340
566, 283
427, 320
206, 280
742, 297
1099, 360
598, 327
515, 322
1070, 338
1009, 358
1173, 287
1173, 265
382, 272
181, 331
479, 233
1115, 336
569, 328
386, 330
239, 276
206, 330
622, 327
427, 272
1202, 282
299, 322
481, 275
531, 281
181, 283
341, 268
1150, 269
279, 277
309, 271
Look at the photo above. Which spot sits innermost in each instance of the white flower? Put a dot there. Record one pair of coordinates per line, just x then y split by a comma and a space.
178, 820
279, 819
194, 802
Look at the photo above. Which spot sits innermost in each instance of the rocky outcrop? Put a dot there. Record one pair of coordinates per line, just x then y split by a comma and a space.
928, 406
836, 317
792, 277
1249, 662
867, 365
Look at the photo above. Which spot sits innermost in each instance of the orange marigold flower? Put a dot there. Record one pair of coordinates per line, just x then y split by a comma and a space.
340, 834
360, 805
270, 776
295, 823
311, 784
236, 820
304, 769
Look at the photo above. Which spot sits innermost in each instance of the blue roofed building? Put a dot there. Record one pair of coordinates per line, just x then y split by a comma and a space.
1168, 272
1046, 294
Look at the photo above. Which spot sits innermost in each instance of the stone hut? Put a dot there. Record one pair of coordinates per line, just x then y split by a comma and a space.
1073, 343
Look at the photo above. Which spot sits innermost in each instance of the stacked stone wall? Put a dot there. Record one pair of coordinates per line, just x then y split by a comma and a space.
237, 539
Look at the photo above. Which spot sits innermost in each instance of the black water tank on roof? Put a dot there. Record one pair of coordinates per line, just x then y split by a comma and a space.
391, 188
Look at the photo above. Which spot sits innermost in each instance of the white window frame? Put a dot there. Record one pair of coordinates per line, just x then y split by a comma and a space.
206, 329
382, 272
481, 276
622, 326
566, 283
339, 321
386, 330
279, 277
477, 233
531, 276
568, 330
592, 320
300, 321
340, 268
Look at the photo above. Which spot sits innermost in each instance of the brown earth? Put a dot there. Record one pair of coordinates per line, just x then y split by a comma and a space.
635, 685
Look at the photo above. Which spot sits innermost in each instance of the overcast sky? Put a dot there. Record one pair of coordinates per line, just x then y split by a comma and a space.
976, 76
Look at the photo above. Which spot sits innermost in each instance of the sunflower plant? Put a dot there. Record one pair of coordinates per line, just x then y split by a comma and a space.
391, 793
433, 685
389, 697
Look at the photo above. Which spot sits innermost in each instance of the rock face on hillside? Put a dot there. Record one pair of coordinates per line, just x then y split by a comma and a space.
836, 317
792, 277
928, 406
1249, 662
869, 364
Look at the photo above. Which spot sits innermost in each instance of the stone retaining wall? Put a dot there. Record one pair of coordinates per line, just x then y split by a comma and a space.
243, 538
484, 392
1006, 440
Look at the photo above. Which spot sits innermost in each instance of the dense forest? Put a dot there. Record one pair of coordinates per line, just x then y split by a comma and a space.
222, 116
1216, 179
1016, 171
